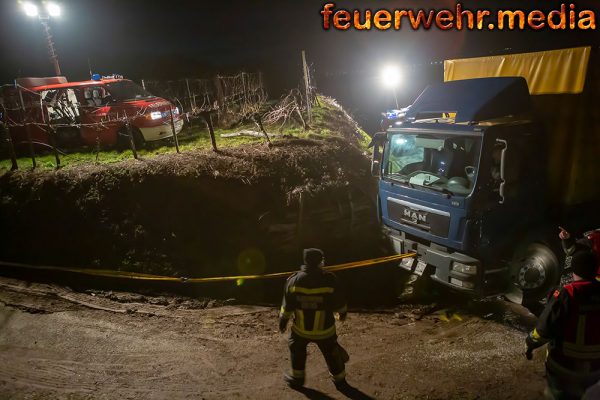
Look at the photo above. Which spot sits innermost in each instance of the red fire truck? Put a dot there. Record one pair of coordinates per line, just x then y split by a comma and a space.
86, 113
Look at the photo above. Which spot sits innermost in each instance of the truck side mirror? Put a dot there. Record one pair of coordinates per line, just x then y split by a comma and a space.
376, 142
375, 168
376, 161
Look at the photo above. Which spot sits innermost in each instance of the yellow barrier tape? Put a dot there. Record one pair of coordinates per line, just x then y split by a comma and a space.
149, 277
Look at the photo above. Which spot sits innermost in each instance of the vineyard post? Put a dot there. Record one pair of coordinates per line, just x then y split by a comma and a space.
27, 129
130, 135
307, 88
174, 130
11, 147
192, 102
52, 136
211, 130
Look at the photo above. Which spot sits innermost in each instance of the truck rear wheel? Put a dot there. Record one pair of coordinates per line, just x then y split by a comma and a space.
536, 269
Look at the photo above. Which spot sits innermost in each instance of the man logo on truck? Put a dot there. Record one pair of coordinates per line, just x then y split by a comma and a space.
415, 216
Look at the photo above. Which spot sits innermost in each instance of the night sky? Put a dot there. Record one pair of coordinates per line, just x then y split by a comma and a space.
176, 39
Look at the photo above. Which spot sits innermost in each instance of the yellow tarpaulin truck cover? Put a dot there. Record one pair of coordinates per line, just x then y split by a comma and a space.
546, 72
566, 100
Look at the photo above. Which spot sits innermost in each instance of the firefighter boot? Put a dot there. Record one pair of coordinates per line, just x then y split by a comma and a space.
342, 385
293, 382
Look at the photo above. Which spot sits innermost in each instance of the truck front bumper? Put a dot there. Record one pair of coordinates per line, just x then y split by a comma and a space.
161, 131
441, 261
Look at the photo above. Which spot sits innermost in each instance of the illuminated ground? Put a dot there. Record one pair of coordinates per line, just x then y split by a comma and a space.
60, 344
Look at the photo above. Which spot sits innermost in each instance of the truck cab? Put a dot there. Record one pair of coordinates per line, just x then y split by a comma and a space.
469, 182
441, 197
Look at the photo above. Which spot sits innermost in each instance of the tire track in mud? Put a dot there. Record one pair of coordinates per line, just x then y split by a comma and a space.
57, 295
51, 373
132, 372
70, 375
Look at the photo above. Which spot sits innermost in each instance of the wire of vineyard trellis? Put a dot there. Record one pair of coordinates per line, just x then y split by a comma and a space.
223, 94
233, 99
42, 114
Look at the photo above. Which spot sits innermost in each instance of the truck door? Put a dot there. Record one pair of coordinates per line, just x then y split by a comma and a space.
98, 116
510, 168
504, 180
490, 203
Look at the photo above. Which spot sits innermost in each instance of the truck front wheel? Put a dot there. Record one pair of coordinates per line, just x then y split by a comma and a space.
123, 138
536, 269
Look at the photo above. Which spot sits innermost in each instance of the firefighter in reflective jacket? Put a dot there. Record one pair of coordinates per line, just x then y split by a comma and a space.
311, 297
571, 324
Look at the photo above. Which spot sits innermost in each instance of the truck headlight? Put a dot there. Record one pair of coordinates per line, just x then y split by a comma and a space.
155, 115
176, 111
463, 284
464, 268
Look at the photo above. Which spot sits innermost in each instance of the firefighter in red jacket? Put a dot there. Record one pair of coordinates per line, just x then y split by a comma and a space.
590, 241
570, 323
312, 296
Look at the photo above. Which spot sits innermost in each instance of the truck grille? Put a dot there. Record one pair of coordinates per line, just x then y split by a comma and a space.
428, 220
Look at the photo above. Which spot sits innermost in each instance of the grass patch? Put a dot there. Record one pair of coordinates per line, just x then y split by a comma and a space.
195, 139
329, 119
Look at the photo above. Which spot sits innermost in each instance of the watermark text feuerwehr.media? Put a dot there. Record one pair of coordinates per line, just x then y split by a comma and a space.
565, 17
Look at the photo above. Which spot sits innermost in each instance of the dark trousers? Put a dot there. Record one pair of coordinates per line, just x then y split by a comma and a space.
568, 387
329, 347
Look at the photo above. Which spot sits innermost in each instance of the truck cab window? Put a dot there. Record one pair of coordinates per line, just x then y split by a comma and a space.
404, 156
442, 162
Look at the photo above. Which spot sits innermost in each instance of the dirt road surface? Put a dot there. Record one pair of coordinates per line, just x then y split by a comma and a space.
59, 344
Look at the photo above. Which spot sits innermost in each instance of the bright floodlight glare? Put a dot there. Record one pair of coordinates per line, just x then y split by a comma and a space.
391, 76
30, 9
53, 9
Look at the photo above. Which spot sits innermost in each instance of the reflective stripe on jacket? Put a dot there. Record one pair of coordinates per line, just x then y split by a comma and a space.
580, 346
311, 297
571, 322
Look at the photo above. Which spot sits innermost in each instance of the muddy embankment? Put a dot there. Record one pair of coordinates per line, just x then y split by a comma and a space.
247, 210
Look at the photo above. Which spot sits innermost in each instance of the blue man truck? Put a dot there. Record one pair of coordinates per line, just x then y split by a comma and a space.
479, 172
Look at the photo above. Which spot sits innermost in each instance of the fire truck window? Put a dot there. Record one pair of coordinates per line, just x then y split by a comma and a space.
126, 90
50, 98
62, 105
87, 95
73, 103
96, 96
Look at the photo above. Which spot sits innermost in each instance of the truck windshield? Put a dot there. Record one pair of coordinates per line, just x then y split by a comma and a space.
127, 90
444, 163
